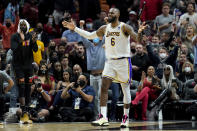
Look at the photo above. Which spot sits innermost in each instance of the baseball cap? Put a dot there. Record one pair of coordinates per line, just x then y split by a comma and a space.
132, 13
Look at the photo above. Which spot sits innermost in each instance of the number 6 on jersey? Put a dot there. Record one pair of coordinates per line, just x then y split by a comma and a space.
113, 41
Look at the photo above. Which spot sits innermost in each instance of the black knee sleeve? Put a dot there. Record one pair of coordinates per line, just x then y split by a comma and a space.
27, 93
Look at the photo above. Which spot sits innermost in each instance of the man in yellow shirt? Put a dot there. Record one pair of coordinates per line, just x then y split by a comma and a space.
38, 55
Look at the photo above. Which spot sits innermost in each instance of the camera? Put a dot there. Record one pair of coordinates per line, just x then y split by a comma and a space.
187, 19
76, 85
67, 18
38, 83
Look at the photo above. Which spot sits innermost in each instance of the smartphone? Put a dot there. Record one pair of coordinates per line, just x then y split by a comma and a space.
170, 22
187, 19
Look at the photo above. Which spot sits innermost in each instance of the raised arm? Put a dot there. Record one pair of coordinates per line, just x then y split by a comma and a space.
89, 35
128, 30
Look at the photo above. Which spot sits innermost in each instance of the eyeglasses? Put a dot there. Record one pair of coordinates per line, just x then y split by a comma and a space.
168, 68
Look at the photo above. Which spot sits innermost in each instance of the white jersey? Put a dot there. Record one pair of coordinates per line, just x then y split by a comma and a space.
117, 45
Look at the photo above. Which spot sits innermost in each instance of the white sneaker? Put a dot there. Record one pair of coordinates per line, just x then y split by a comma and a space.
101, 121
125, 122
10, 117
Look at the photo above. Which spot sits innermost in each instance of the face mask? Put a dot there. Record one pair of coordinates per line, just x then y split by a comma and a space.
162, 55
82, 83
133, 50
39, 30
187, 69
23, 29
96, 40
42, 72
89, 26
52, 47
54, 59
50, 20
8, 25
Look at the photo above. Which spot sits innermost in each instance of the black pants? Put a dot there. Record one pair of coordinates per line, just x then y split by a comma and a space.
2, 103
68, 114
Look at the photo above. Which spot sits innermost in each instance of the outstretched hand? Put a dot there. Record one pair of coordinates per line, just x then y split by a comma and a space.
69, 25
142, 26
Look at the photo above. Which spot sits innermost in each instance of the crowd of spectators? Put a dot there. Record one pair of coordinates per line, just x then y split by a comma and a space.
67, 68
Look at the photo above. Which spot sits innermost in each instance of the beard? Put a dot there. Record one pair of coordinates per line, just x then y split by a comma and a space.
113, 19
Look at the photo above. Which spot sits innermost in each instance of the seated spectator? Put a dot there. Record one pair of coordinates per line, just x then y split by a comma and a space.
169, 81
3, 90
171, 89
57, 71
149, 88
83, 100
61, 85
76, 72
187, 72
51, 48
61, 50
47, 81
40, 100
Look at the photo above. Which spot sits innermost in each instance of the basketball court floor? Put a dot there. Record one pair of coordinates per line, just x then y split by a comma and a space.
114, 126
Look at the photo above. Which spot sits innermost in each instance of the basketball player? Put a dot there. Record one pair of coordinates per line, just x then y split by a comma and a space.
118, 65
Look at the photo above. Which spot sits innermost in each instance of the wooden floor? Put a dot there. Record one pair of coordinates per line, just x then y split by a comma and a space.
167, 125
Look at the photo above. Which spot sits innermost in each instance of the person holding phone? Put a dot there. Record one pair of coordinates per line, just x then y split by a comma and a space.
190, 17
23, 44
163, 22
